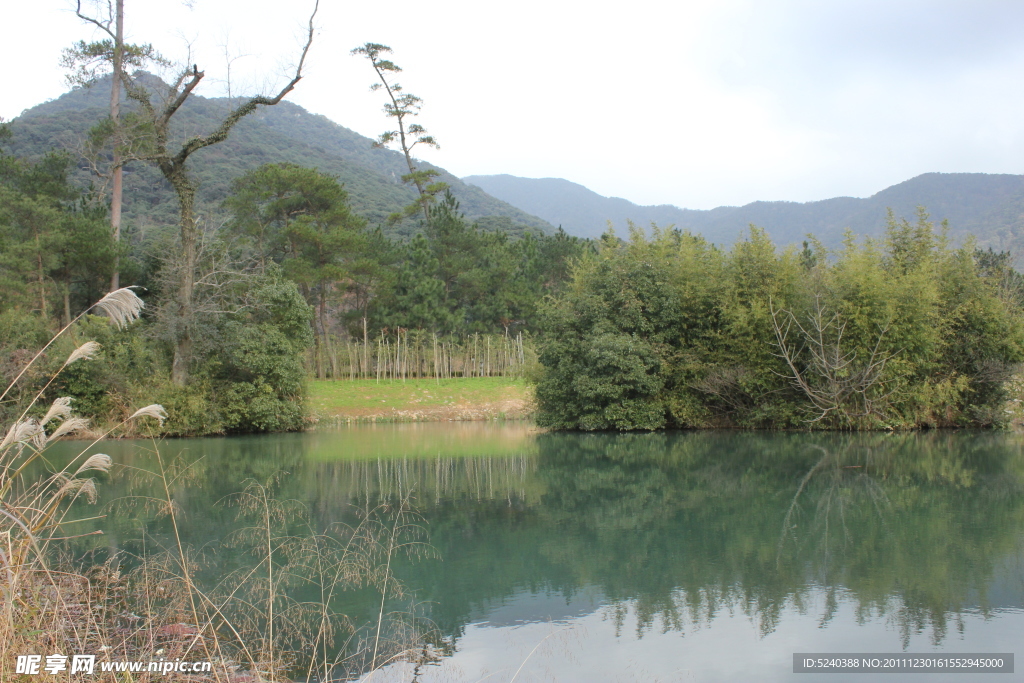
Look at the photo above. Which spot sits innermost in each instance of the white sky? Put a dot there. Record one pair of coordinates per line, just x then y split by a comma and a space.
697, 104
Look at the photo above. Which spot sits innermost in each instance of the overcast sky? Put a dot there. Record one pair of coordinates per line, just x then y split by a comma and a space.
697, 104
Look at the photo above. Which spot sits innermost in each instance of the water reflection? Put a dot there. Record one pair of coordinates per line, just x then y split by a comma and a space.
910, 535
679, 526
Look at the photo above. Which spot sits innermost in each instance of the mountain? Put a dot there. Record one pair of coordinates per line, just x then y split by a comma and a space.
285, 132
988, 206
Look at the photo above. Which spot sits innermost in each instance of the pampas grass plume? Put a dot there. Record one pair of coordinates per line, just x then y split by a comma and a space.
72, 424
155, 410
100, 462
86, 351
122, 305
61, 408
22, 431
78, 487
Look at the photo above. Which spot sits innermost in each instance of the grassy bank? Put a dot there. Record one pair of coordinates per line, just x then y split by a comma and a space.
472, 398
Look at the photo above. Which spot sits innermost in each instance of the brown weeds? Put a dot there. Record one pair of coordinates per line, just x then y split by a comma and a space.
248, 625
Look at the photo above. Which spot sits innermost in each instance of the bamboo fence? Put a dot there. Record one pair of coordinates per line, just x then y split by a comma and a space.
419, 354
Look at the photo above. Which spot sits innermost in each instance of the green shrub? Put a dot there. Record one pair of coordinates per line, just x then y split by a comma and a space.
259, 370
672, 332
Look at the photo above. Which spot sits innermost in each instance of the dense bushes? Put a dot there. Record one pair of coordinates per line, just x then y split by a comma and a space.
674, 332
261, 363
249, 373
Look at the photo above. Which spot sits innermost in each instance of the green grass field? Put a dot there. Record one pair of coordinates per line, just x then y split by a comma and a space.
474, 398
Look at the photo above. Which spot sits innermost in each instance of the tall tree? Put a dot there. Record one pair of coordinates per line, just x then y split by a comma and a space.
172, 159
401, 107
87, 61
300, 218
418, 300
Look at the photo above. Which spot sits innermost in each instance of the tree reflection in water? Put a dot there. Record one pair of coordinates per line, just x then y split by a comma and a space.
668, 530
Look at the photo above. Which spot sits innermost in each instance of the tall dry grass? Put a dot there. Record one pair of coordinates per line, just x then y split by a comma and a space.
248, 624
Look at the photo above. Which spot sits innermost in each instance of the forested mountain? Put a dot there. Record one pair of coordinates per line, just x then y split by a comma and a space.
989, 206
285, 133
274, 271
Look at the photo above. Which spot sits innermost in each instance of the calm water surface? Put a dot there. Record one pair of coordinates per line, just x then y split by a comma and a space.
670, 557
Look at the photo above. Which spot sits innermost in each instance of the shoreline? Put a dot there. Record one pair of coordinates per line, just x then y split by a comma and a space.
420, 400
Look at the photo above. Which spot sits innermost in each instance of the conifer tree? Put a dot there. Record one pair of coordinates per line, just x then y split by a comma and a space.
402, 106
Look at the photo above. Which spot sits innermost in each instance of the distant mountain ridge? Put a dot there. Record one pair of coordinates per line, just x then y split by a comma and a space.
282, 133
988, 206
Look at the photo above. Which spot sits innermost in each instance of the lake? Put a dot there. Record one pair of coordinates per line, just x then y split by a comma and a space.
696, 556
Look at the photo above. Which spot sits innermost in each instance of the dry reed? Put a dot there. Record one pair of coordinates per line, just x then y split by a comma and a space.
248, 625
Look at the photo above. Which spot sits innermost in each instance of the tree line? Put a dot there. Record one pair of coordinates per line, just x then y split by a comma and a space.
645, 333
452, 279
288, 282
672, 331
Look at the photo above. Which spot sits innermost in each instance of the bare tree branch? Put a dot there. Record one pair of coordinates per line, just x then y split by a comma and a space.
173, 166
102, 25
831, 377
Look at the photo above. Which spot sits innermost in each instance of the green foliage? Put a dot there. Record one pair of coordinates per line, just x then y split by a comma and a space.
457, 278
189, 409
453, 278
55, 247
418, 300
286, 213
86, 62
109, 386
214, 291
299, 218
607, 337
259, 368
400, 107
674, 332
250, 379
